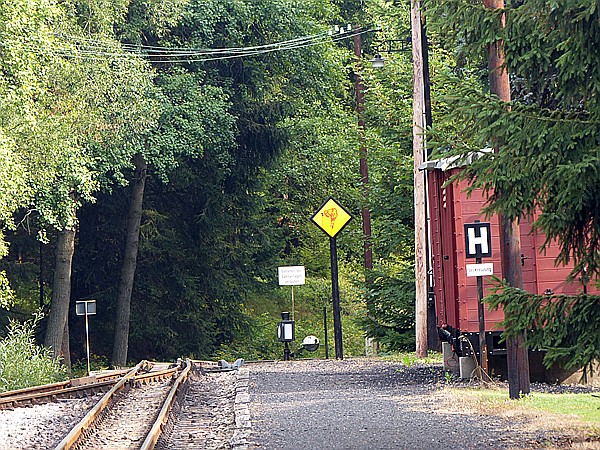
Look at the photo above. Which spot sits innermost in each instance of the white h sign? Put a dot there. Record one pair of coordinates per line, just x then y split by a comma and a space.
478, 240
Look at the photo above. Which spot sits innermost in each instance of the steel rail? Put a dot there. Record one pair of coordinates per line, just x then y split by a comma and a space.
58, 390
163, 416
202, 363
36, 389
76, 432
132, 377
67, 392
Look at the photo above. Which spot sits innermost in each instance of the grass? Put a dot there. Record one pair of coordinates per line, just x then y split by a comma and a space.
580, 407
410, 358
586, 407
23, 363
577, 415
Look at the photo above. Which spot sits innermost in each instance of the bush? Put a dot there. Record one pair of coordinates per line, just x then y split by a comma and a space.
23, 363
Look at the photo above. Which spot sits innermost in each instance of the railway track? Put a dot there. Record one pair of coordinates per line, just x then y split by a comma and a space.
74, 388
188, 405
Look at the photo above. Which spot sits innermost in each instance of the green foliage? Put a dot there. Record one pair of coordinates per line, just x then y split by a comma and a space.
391, 313
547, 140
97, 363
549, 134
250, 147
566, 327
6, 293
22, 362
76, 117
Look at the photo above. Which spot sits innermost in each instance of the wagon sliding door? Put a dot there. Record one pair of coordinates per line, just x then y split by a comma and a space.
443, 249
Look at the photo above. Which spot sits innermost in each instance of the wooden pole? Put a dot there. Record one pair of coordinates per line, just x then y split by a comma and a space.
510, 241
419, 182
364, 170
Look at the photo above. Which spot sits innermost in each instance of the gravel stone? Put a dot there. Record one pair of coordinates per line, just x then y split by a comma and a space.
41, 426
373, 404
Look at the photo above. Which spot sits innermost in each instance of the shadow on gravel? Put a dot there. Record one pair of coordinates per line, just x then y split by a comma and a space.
374, 404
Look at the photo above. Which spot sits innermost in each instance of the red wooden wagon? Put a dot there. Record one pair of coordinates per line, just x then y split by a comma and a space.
455, 295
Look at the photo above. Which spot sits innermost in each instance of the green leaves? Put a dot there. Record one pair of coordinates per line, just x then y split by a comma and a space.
548, 136
22, 362
72, 115
565, 327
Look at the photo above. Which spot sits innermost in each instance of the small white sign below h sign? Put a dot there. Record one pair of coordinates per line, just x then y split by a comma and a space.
291, 276
479, 270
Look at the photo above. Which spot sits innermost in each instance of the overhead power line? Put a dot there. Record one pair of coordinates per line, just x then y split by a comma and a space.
70, 46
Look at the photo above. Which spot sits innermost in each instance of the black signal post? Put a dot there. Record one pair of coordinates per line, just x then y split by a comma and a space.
331, 217
478, 244
335, 293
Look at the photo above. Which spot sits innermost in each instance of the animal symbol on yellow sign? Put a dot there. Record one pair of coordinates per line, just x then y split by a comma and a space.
332, 214
331, 217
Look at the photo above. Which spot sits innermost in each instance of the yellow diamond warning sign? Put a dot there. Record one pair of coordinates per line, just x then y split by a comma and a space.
331, 217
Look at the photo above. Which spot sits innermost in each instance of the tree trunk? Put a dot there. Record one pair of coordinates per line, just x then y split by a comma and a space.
119, 356
510, 241
61, 295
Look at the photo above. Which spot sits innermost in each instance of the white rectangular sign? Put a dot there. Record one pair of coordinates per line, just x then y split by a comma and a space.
291, 275
85, 307
479, 270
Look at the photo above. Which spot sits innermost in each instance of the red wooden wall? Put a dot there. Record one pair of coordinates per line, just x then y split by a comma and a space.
456, 294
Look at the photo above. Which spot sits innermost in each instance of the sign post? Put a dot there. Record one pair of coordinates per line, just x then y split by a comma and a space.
86, 308
292, 276
478, 244
331, 217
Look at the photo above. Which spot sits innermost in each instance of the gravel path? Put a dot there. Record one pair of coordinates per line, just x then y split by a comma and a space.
372, 404
205, 418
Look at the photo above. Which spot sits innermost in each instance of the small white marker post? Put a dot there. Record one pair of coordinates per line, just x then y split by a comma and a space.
86, 308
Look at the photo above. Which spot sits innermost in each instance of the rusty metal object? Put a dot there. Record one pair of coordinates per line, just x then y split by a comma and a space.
133, 378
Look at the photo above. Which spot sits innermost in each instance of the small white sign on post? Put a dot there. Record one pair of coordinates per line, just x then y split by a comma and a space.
86, 308
479, 270
291, 276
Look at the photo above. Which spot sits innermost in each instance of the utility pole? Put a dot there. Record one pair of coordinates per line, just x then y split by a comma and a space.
432, 335
364, 170
419, 180
510, 240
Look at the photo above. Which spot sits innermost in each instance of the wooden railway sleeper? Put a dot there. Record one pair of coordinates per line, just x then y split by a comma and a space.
174, 395
82, 429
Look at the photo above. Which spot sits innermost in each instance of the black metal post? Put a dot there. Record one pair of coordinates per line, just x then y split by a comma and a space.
325, 328
483, 361
286, 351
335, 292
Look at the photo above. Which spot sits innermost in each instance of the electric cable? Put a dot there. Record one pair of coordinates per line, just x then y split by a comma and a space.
69, 46
478, 367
